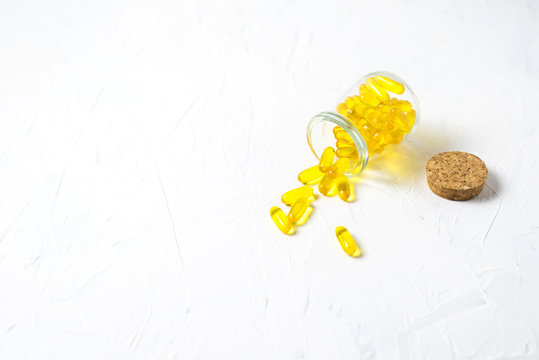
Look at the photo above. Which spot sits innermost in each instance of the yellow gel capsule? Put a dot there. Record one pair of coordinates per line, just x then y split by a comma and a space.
343, 136
347, 242
339, 167
337, 129
311, 176
402, 105
327, 158
343, 187
346, 152
367, 97
390, 84
290, 197
410, 115
280, 219
326, 184
298, 210
343, 144
378, 91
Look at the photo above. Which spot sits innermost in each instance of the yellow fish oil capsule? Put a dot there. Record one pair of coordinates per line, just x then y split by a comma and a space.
378, 91
339, 167
280, 219
389, 84
326, 184
343, 187
337, 129
327, 158
311, 176
347, 242
290, 197
367, 97
342, 144
346, 152
298, 210
344, 137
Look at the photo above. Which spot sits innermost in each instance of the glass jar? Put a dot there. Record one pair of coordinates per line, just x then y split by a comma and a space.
380, 109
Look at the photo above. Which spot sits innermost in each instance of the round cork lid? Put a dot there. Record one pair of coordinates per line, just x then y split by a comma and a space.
456, 175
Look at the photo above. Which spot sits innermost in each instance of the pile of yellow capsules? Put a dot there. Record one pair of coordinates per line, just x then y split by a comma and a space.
380, 120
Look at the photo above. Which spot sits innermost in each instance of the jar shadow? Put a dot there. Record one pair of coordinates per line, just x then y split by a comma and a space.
403, 162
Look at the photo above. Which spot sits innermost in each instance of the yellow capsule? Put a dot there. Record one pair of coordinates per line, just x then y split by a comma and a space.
280, 219
347, 242
326, 184
378, 91
390, 84
410, 115
343, 136
290, 197
343, 144
327, 158
339, 167
343, 187
402, 105
346, 152
337, 129
298, 210
311, 176
343, 109
367, 97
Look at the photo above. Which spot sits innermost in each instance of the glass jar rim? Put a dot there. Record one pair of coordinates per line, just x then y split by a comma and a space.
344, 123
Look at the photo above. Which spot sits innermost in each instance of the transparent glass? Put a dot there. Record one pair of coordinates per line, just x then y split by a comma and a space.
363, 127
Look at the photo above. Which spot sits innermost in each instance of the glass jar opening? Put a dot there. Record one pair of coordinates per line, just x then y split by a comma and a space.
320, 135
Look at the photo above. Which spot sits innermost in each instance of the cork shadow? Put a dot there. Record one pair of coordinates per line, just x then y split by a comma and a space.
492, 188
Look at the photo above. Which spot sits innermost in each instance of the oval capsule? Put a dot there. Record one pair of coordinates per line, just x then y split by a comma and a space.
326, 159
368, 97
280, 219
339, 167
346, 152
378, 91
290, 197
298, 210
343, 187
311, 176
326, 184
390, 84
347, 242
344, 137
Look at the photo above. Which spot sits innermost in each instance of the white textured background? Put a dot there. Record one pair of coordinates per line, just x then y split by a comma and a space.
142, 144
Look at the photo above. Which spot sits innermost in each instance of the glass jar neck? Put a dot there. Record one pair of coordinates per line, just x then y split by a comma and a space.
328, 120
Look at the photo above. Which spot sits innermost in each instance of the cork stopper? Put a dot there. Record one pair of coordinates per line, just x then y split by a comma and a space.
456, 175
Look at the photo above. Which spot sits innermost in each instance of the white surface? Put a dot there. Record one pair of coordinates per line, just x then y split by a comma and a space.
143, 143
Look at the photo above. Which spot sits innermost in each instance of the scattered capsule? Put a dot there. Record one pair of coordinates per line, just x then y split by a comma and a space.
390, 84
280, 219
343, 187
290, 197
347, 242
378, 91
339, 167
326, 184
327, 158
346, 152
311, 176
298, 210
